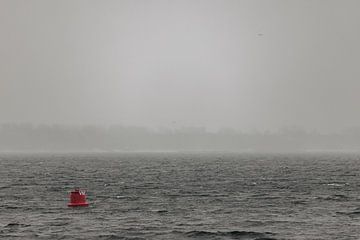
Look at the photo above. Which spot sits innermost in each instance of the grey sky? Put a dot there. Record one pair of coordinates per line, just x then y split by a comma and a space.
241, 64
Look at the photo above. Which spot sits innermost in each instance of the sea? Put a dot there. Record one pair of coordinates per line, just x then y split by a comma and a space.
181, 195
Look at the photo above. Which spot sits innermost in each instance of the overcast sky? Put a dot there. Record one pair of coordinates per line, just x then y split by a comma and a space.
172, 63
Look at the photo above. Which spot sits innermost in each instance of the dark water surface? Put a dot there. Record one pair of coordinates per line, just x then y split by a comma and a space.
181, 196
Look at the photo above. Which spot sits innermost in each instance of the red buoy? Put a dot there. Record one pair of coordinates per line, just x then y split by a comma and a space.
78, 199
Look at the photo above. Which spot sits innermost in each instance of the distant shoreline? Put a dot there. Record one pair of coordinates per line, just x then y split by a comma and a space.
311, 151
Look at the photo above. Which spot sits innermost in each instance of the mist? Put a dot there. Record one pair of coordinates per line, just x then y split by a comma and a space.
116, 138
250, 66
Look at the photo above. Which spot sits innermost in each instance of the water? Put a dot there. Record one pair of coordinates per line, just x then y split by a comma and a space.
181, 196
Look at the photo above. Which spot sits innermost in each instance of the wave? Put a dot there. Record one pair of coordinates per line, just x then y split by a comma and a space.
241, 235
337, 184
109, 237
14, 224
334, 197
117, 237
355, 212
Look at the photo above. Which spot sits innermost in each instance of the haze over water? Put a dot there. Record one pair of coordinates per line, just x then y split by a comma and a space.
248, 65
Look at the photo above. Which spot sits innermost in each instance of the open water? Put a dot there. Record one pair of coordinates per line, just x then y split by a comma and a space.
181, 196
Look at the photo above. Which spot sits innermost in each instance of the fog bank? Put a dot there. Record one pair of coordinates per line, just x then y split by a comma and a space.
26, 137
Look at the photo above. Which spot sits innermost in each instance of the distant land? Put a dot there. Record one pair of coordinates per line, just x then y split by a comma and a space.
28, 137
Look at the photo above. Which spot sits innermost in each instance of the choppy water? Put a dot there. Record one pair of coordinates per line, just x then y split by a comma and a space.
181, 196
